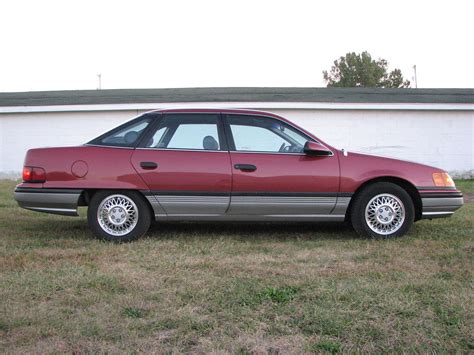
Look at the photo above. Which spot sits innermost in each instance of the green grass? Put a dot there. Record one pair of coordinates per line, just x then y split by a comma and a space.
238, 288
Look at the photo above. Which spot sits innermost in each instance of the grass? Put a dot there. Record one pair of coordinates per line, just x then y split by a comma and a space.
238, 288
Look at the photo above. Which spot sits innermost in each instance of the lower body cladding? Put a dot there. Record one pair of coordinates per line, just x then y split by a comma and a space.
235, 207
440, 204
249, 206
56, 201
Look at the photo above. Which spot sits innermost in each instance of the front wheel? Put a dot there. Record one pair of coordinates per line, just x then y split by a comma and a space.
118, 216
382, 210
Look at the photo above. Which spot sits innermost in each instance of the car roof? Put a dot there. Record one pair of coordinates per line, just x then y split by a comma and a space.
217, 110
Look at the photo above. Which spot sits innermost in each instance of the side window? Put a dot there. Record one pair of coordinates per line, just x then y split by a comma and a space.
126, 135
256, 139
187, 131
262, 134
195, 136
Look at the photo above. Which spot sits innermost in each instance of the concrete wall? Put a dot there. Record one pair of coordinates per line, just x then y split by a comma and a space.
440, 138
22, 131
443, 139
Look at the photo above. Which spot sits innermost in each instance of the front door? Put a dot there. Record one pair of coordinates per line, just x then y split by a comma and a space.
271, 174
186, 165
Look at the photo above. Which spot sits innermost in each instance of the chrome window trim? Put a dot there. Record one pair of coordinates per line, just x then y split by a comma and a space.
183, 150
107, 146
229, 151
277, 153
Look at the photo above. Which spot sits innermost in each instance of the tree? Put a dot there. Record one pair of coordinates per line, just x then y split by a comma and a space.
360, 70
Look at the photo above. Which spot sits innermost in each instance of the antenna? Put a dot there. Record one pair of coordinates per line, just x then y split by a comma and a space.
416, 81
99, 76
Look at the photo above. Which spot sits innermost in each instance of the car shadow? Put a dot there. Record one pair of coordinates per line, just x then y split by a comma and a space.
252, 230
65, 228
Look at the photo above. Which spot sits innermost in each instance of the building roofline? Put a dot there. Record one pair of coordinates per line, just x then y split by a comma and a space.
267, 106
215, 96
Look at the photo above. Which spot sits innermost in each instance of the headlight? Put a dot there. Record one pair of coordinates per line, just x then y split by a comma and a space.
443, 179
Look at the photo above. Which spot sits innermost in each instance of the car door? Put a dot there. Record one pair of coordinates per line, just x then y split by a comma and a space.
185, 162
272, 176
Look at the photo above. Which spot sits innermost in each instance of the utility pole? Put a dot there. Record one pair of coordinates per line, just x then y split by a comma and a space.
416, 81
100, 81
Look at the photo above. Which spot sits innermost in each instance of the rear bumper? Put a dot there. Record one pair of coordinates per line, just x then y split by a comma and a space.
56, 201
440, 204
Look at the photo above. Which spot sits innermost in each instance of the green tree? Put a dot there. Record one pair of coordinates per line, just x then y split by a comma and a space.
360, 70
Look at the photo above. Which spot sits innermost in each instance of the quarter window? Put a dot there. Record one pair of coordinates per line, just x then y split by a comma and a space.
262, 134
126, 135
187, 131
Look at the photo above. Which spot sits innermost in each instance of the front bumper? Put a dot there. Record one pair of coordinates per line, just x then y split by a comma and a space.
56, 201
439, 204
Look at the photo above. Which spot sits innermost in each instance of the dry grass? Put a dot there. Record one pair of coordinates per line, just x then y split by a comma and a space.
239, 288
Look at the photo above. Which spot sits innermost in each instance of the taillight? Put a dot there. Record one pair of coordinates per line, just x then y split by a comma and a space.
33, 174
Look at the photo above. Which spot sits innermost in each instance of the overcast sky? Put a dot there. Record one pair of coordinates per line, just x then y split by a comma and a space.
63, 45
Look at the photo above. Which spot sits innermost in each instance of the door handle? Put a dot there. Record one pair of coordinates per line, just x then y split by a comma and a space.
148, 165
245, 167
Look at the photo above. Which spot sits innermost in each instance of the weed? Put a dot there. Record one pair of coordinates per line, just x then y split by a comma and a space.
132, 312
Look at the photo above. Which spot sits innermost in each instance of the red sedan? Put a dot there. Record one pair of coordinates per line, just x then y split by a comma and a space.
228, 165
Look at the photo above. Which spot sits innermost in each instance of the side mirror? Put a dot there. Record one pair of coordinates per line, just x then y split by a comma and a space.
316, 150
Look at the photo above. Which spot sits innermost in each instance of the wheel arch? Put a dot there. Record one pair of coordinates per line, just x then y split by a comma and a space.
87, 194
404, 184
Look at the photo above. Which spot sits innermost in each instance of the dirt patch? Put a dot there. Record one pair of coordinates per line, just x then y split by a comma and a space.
468, 197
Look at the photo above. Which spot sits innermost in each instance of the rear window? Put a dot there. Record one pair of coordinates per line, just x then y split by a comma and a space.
126, 135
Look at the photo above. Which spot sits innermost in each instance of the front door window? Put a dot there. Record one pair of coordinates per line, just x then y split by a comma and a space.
257, 134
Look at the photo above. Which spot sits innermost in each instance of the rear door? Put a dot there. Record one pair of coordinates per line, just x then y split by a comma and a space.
271, 174
186, 164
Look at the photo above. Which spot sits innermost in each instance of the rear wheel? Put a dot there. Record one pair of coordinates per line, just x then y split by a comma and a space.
118, 216
382, 210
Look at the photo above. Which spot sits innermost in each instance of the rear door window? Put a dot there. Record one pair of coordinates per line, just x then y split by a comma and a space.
188, 131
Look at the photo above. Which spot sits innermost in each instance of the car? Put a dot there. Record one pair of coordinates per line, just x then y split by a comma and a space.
228, 165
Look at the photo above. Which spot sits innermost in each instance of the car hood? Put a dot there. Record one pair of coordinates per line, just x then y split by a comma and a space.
357, 168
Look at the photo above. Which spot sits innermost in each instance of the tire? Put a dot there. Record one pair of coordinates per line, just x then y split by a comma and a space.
118, 216
382, 210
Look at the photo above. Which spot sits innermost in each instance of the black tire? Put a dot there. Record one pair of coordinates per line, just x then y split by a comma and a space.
365, 196
136, 230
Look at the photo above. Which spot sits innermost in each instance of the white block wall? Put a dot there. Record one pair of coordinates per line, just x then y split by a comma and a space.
22, 131
439, 138
444, 139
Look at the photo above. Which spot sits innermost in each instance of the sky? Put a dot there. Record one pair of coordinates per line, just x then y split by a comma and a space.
63, 45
